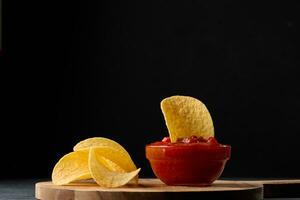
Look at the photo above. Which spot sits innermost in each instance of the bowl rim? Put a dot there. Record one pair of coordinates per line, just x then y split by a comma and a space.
162, 152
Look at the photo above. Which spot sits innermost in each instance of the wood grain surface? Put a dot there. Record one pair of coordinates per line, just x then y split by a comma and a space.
279, 188
149, 189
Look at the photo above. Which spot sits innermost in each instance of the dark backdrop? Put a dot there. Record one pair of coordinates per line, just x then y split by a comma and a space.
78, 70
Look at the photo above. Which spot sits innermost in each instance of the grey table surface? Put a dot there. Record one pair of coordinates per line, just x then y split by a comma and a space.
24, 189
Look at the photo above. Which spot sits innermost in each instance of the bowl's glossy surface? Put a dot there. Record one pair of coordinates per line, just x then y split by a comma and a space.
187, 164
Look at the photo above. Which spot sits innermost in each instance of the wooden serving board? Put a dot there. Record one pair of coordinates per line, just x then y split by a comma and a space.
149, 189
155, 189
280, 188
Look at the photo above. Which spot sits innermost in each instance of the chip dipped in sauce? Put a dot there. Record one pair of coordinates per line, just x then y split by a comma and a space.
191, 155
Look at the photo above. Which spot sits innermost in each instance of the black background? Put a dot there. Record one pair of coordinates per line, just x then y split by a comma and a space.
78, 70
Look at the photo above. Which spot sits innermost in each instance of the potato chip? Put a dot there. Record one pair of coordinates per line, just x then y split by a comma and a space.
71, 167
110, 165
120, 158
186, 116
115, 164
103, 176
96, 142
106, 159
114, 160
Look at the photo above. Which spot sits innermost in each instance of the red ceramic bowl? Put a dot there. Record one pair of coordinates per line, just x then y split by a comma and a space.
187, 164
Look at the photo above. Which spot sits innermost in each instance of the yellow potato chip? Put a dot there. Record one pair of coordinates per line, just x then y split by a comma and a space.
186, 116
71, 167
96, 142
103, 176
115, 164
110, 165
119, 158
114, 160
109, 159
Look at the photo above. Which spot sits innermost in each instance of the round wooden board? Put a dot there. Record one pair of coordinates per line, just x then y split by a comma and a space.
149, 189
289, 188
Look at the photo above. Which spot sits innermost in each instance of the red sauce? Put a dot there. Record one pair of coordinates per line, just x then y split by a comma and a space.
188, 161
